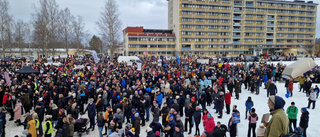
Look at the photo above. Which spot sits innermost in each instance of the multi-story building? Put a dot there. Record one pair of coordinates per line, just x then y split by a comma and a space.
139, 41
229, 27
212, 27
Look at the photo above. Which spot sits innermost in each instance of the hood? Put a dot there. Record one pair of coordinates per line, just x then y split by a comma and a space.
254, 115
277, 101
209, 78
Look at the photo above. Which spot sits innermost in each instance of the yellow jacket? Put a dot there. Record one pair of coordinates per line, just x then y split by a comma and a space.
32, 129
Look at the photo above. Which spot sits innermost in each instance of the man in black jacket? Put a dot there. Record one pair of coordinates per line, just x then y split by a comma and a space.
40, 111
91, 108
164, 112
272, 89
220, 104
304, 121
147, 105
189, 113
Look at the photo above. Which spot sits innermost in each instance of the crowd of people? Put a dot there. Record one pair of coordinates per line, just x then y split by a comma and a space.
120, 98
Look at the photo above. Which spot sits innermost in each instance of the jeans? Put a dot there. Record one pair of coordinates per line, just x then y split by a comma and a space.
304, 131
100, 131
148, 113
253, 128
287, 90
55, 123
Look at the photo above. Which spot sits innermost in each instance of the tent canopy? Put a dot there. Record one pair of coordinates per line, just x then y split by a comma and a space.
299, 67
27, 70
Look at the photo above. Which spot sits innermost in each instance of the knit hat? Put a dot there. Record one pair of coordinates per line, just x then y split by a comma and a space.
129, 125
304, 109
133, 110
277, 101
272, 100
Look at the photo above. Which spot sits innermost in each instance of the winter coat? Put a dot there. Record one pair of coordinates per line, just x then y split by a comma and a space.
292, 112
137, 126
197, 117
290, 86
32, 129
178, 134
40, 111
55, 114
209, 126
249, 105
156, 114
17, 111
307, 85
304, 120
301, 80
25, 99
65, 129
204, 119
227, 98
278, 125
253, 118
105, 98
71, 128
272, 90
189, 112
101, 122
238, 87
91, 108
159, 98
151, 134
313, 96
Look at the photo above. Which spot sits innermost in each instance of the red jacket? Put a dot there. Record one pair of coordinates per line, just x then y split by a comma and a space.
220, 81
5, 98
227, 98
290, 86
210, 125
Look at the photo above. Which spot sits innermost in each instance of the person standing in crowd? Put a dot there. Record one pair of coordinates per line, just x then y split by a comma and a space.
31, 126
17, 112
197, 120
220, 100
286, 85
301, 80
290, 87
230, 86
233, 129
159, 99
100, 123
156, 113
304, 121
164, 112
91, 108
317, 90
136, 125
147, 106
227, 99
279, 123
292, 112
48, 127
312, 98
3, 122
189, 111
253, 118
210, 124
307, 86
272, 89
171, 124
249, 104
177, 131
220, 130
237, 88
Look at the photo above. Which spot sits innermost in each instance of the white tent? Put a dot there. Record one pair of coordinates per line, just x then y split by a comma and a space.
299, 67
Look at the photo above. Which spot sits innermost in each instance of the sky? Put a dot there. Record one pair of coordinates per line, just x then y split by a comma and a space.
151, 14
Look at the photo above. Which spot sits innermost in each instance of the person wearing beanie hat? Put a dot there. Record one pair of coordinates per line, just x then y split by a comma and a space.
292, 112
171, 124
136, 124
178, 132
304, 121
272, 89
278, 125
91, 108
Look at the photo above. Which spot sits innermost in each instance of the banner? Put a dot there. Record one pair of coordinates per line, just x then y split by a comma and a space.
178, 60
6, 75
236, 118
95, 56
139, 66
129, 63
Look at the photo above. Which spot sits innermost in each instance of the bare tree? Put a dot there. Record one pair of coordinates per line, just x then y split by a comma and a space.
21, 34
79, 33
5, 20
96, 44
109, 25
66, 25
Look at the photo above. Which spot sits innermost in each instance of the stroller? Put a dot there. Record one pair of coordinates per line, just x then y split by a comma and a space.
81, 126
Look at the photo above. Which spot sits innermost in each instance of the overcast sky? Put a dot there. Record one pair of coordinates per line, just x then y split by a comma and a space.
148, 13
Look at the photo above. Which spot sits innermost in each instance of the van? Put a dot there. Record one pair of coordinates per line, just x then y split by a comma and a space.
129, 59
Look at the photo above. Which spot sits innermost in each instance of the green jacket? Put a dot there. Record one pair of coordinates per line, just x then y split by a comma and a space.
301, 80
278, 125
292, 112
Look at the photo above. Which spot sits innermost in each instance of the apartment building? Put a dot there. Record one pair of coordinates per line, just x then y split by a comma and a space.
227, 27
139, 41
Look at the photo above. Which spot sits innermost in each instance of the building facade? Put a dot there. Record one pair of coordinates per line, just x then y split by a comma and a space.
140, 41
233, 27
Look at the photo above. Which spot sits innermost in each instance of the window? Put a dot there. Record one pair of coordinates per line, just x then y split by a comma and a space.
224, 40
200, 20
248, 28
259, 28
213, 0
292, 11
280, 35
201, 6
186, 39
212, 33
198, 46
199, 33
247, 40
290, 35
187, 12
250, 9
280, 40
213, 7
170, 39
248, 34
282, 11
249, 21
225, 7
259, 40
271, 10
225, 27
300, 35
301, 18
213, 14
143, 39
309, 35
311, 7
186, 26
212, 40
259, 22
291, 29
199, 40
280, 29
212, 46
310, 24
302, 12
143, 46
212, 27
271, 4
261, 3
260, 16
132, 46
309, 30
300, 29
281, 5
261, 10
186, 33
225, 14
259, 34
187, 5
291, 17
224, 33
281, 17
249, 15
213, 20
152, 39
225, 21
201, 13
302, 6
292, 5
289, 40
187, 19
199, 26
133, 39
281, 23
310, 18
291, 23
299, 40
301, 24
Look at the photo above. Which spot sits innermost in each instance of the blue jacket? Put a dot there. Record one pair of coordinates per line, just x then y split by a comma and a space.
172, 124
249, 105
265, 78
159, 98
157, 127
123, 83
91, 108
101, 122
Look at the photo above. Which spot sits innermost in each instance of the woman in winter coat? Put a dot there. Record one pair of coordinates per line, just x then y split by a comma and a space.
17, 112
227, 99
237, 88
197, 119
71, 122
31, 126
55, 114
204, 116
100, 123
249, 105
65, 127
209, 124
137, 124
253, 118
290, 87
156, 113
230, 86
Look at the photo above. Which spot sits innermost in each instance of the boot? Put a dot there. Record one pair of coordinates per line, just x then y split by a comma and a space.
106, 129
